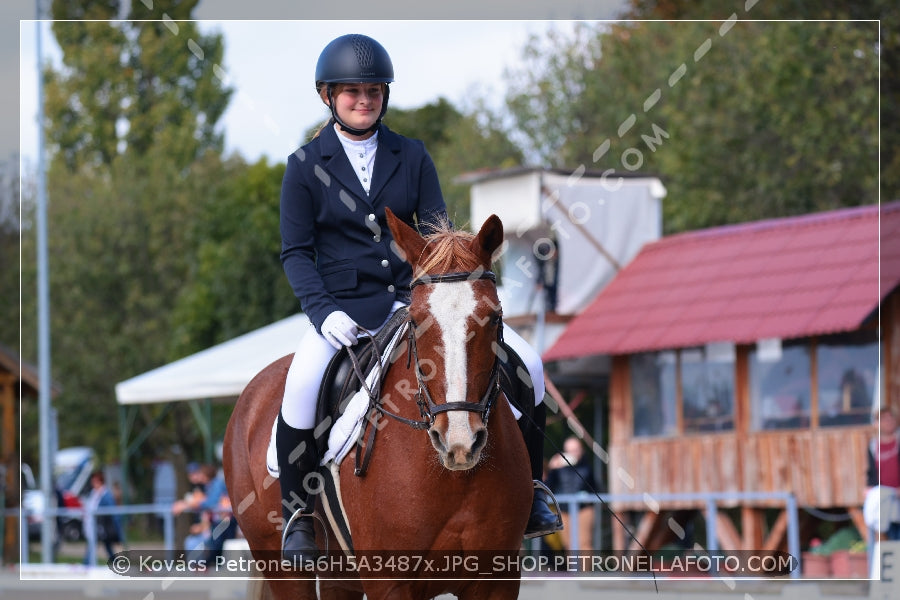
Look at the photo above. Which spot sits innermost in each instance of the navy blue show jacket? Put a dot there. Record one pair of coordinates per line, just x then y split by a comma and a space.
336, 248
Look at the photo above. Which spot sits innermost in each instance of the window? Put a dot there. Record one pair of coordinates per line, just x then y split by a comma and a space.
780, 387
847, 367
653, 393
707, 390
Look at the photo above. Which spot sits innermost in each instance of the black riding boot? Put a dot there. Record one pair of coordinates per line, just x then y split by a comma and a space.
297, 458
542, 520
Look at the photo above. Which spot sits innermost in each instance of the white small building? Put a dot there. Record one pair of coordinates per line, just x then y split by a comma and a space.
581, 227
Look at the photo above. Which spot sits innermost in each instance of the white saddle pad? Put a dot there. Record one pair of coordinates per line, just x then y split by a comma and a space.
349, 426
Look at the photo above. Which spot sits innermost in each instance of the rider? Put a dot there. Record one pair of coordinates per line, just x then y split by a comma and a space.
336, 251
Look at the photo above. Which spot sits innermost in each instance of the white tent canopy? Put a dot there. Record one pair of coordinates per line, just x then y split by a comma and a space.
218, 372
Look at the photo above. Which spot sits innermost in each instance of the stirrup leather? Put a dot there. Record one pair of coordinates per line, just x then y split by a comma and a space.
554, 508
298, 514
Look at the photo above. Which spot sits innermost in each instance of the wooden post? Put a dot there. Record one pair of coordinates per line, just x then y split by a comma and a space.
752, 524
729, 538
10, 541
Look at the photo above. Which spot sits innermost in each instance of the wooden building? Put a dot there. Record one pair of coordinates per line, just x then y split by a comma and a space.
18, 380
748, 359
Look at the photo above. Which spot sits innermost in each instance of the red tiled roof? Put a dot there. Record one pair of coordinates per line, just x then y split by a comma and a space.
785, 278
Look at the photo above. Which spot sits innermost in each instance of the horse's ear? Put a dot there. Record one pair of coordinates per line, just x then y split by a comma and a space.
489, 239
408, 243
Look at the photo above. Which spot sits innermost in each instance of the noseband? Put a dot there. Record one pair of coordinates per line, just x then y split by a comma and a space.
428, 408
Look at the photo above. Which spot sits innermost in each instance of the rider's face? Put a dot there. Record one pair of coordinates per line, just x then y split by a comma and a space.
359, 104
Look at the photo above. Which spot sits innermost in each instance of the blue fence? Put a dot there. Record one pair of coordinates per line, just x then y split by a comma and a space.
89, 518
711, 501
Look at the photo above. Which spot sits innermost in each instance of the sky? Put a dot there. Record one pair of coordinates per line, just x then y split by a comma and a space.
270, 65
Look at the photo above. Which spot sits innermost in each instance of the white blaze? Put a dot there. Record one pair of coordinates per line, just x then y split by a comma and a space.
451, 306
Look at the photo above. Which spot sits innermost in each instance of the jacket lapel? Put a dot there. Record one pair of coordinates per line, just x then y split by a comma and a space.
386, 161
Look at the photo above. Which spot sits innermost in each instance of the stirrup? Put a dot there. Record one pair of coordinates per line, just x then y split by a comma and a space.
299, 514
553, 505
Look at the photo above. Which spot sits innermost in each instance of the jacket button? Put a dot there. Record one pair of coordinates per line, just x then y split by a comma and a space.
376, 238
391, 288
385, 263
371, 217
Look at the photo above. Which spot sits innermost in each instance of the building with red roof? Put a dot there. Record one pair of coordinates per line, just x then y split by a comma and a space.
748, 359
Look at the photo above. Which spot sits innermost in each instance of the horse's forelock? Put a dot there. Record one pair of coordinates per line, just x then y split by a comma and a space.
448, 251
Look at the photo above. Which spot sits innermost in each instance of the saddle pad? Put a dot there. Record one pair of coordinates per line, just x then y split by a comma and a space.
347, 428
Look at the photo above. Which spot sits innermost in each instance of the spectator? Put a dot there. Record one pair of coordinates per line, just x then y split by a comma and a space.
209, 499
884, 471
108, 528
570, 473
881, 510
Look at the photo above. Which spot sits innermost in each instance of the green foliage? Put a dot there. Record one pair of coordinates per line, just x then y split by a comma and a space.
888, 51
458, 143
131, 124
762, 119
236, 280
10, 222
128, 86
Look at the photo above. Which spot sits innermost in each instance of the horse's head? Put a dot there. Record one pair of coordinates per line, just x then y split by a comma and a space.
456, 320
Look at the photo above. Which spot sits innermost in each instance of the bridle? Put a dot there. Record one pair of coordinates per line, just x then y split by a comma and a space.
428, 408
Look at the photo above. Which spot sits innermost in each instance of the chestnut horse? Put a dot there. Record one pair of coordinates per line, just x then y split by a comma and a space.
463, 488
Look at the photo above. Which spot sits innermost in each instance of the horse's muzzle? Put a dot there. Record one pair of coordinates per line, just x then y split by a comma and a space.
459, 448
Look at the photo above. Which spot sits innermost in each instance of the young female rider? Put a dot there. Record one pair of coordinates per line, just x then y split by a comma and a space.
336, 251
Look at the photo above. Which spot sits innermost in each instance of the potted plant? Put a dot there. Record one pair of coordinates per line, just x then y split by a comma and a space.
815, 562
850, 563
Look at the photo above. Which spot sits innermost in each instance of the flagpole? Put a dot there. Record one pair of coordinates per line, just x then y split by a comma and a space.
43, 305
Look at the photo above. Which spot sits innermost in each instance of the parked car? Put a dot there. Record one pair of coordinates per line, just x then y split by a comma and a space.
33, 503
72, 469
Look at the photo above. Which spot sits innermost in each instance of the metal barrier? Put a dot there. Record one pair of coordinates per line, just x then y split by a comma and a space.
89, 520
710, 499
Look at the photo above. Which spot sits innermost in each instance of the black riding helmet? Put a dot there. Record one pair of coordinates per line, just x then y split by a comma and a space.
354, 58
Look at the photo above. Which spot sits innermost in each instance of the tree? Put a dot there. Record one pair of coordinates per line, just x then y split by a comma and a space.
10, 223
888, 51
236, 282
743, 121
131, 119
459, 142
128, 86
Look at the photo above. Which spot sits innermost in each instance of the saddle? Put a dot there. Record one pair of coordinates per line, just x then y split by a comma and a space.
341, 380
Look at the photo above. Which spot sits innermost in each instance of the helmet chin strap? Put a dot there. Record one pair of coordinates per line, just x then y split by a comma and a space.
354, 130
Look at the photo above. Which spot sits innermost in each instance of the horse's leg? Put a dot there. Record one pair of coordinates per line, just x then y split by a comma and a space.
390, 590
291, 589
492, 589
335, 590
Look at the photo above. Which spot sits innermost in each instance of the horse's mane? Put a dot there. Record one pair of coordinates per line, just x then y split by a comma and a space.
446, 250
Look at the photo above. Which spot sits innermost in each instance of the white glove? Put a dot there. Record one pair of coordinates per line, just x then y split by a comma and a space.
338, 329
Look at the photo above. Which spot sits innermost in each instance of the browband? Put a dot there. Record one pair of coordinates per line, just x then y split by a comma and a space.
451, 277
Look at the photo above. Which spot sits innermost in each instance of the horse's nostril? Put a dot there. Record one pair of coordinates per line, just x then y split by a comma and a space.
480, 440
436, 439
